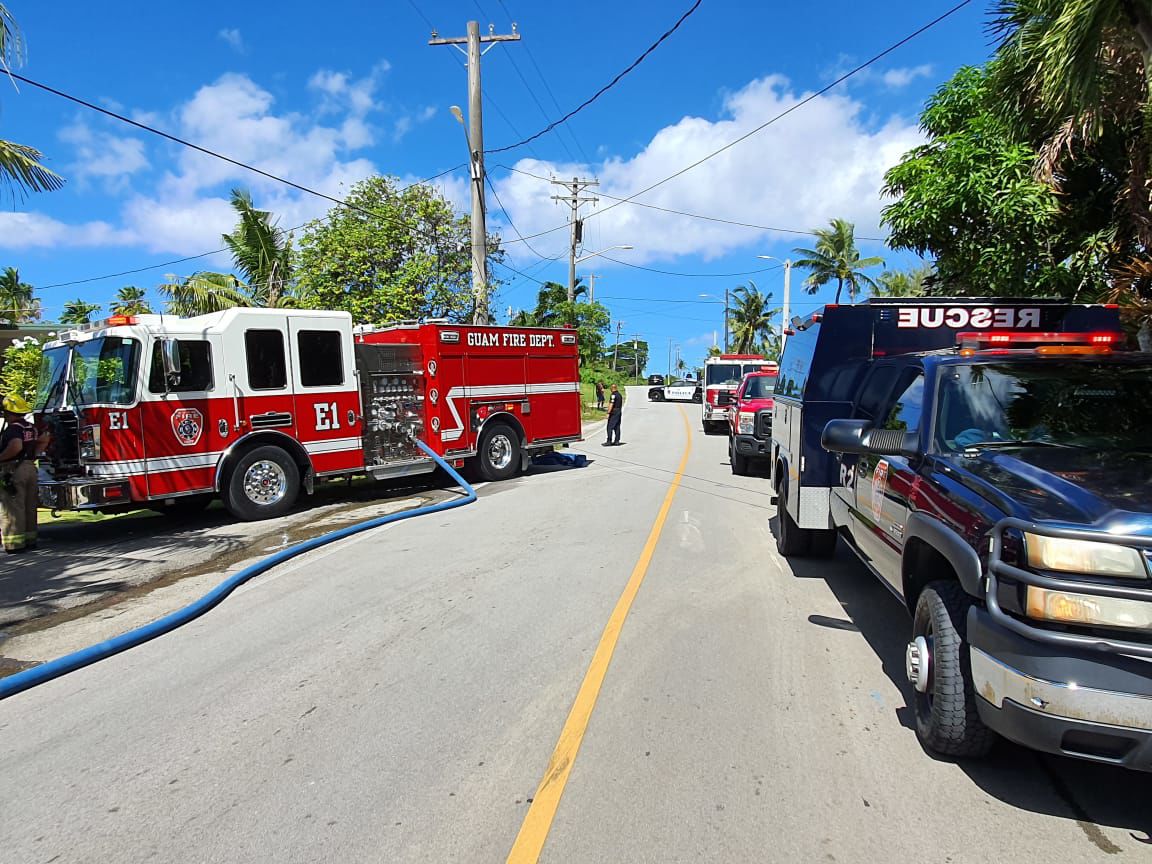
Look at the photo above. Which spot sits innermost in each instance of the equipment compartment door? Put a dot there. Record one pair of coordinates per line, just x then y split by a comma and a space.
327, 402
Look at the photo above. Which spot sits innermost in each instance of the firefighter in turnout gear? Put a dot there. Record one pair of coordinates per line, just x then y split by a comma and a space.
18, 446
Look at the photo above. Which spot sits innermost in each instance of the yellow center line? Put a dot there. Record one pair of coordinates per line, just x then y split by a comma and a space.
538, 820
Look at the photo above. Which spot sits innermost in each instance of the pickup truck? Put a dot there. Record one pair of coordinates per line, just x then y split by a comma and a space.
749, 421
990, 462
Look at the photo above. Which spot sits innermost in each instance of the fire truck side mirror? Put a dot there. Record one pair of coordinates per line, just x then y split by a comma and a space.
170, 354
725, 397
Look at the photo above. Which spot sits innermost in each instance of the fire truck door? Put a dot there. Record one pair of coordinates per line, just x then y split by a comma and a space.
181, 415
327, 395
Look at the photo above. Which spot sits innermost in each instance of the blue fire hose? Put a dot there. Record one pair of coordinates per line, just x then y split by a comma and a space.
29, 678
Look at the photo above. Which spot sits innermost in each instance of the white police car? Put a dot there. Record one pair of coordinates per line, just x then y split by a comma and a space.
677, 391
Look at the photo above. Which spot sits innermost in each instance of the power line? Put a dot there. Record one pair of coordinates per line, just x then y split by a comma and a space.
690, 275
795, 107
420, 12
512, 224
607, 86
685, 212
206, 151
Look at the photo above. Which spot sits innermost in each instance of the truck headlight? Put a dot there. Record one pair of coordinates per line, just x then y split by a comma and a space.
1088, 609
1084, 556
746, 423
90, 442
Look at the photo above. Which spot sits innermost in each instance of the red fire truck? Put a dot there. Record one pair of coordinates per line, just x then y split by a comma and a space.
255, 405
723, 373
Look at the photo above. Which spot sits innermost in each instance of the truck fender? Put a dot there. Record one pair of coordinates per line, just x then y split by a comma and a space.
943, 539
275, 439
507, 419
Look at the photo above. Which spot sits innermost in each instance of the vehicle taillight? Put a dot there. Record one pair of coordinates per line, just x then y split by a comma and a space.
90, 442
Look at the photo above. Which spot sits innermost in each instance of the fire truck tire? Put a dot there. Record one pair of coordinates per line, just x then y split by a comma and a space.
947, 720
263, 484
739, 462
498, 454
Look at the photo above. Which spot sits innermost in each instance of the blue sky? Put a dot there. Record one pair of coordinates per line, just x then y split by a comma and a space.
327, 95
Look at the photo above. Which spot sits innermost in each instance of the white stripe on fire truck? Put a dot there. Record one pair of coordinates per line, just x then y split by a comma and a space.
156, 465
335, 445
455, 393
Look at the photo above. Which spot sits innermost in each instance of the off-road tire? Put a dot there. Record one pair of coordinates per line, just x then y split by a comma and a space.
245, 485
947, 721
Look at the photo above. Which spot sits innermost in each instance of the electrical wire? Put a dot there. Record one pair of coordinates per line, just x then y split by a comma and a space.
792, 108
420, 12
606, 87
512, 224
689, 275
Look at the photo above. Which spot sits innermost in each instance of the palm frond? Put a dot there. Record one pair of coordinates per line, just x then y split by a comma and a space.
20, 169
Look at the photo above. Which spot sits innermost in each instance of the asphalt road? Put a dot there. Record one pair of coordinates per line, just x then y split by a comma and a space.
399, 696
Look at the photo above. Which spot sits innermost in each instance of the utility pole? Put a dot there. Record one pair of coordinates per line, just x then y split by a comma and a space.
787, 294
475, 132
616, 350
636, 356
669, 379
725, 320
573, 199
592, 277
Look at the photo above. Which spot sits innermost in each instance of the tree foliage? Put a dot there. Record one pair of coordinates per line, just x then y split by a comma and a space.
903, 283
410, 259
18, 305
78, 312
750, 318
21, 370
591, 320
261, 252
835, 258
130, 300
20, 168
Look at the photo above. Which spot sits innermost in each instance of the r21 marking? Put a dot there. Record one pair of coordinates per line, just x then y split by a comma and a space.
326, 416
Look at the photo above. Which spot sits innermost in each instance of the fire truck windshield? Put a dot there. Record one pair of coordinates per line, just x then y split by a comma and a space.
729, 373
1102, 406
50, 388
103, 372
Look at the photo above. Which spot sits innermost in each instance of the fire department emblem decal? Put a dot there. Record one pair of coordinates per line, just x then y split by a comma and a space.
187, 423
879, 487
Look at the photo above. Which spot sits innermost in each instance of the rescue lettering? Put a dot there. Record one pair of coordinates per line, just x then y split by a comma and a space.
511, 340
965, 317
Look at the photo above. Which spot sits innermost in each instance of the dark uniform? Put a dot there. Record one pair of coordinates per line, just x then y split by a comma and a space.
18, 480
614, 411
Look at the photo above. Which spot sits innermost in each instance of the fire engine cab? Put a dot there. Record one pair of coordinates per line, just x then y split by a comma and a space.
723, 373
255, 405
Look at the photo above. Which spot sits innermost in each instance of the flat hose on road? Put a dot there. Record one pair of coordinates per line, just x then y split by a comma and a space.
29, 678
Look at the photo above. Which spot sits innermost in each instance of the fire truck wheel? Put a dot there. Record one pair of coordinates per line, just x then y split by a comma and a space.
498, 454
263, 484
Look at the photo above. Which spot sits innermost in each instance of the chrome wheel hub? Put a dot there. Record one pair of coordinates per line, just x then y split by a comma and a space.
500, 451
918, 663
265, 482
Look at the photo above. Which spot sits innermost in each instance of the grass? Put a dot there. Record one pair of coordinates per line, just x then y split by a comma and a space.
44, 517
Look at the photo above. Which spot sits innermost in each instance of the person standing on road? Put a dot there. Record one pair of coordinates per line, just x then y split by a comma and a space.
18, 445
599, 395
614, 411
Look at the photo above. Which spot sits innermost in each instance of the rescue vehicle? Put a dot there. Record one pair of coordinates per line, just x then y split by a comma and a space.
256, 405
723, 373
750, 419
990, 462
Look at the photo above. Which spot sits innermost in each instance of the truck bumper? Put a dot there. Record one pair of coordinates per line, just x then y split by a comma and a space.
751, 446
84, 494
1082, 703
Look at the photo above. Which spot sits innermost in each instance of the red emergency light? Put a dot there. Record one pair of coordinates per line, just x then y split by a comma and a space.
119, 320
1010, 337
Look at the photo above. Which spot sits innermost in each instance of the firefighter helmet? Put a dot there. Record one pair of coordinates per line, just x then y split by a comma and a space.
15, 404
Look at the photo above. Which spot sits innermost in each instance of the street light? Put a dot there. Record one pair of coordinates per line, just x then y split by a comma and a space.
787, 262
717, 300
601, 252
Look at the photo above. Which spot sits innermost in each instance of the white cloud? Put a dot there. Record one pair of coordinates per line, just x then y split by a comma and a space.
824, 160
37, 231
102, 155
234, 38
902, 77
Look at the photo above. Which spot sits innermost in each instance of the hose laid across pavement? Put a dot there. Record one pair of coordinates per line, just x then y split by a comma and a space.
29, 678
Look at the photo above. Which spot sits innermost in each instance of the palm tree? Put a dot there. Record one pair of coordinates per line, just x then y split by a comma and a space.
130, 301
78, 312
17, 305
20, 167
261, 252
836, 258
202, 293
750, 318
903, 283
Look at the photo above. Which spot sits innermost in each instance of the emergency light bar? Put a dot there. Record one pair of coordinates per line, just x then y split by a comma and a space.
973, 338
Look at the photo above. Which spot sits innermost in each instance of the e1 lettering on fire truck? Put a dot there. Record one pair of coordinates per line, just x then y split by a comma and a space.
255, 405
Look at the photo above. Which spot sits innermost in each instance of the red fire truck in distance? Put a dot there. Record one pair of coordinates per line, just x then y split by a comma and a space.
723, 373
255, 405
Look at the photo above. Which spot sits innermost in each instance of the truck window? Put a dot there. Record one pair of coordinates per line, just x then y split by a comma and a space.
874, 397
905, 413
265, 352
759, 387
724, 373
321, 361
195, 368
796, 363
